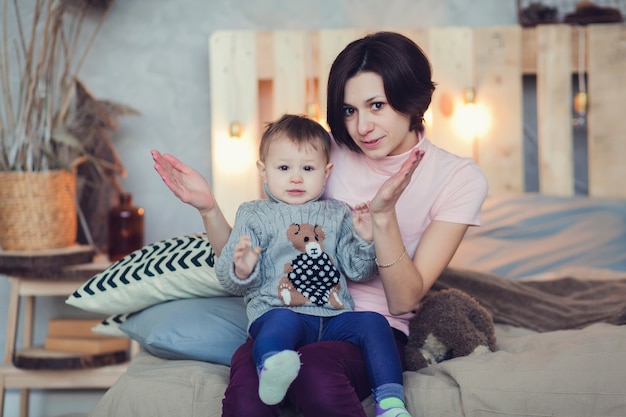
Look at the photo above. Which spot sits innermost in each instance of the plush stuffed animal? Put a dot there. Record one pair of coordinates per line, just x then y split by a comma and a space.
448, 324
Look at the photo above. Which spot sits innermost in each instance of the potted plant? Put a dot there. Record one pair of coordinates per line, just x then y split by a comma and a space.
54, 137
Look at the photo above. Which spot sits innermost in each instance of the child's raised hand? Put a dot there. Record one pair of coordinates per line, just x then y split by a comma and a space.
362, 221
245, 257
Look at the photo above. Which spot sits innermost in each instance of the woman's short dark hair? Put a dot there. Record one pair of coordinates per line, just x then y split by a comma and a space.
403, 67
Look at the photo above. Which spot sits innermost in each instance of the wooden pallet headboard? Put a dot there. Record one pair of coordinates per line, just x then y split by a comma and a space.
257, 76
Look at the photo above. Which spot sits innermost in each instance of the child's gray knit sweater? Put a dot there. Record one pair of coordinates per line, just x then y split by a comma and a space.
308, 250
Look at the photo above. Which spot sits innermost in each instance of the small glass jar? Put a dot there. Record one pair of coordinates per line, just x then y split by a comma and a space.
125, 227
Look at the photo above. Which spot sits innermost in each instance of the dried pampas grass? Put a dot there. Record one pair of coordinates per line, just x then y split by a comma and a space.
94, 120
48, 118
46, 58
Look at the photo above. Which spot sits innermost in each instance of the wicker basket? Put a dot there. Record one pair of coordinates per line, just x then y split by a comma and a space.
37, 210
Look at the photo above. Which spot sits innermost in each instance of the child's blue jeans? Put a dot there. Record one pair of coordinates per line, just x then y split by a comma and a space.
334, 387
282, 328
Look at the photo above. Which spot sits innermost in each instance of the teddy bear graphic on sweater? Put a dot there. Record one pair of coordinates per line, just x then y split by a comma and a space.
311, 276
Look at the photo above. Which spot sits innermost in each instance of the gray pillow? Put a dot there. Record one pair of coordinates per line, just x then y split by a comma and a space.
204, 329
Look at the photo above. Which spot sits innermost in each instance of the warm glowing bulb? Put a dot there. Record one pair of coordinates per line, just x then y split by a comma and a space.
580, 102
235, 129
469, 95
471, 121
235, 156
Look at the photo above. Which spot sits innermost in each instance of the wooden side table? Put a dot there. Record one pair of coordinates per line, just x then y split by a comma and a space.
24, 287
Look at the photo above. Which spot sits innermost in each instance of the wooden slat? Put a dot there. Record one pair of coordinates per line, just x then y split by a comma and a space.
529, 51
451, 53
492, 59
607, 85
290, 60
265, 57
499, 89
86, 378
331, 42
234, 97
554, 117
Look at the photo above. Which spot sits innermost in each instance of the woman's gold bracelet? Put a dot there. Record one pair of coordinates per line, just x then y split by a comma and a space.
391, 263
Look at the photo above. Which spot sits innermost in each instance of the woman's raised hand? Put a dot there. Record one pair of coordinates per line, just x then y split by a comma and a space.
185, 182
388, 194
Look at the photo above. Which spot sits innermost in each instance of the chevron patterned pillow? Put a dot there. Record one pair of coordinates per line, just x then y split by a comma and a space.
110, 326
176, 268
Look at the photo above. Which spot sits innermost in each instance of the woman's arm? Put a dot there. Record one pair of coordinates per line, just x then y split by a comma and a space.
192, 188
406, 278
407, 281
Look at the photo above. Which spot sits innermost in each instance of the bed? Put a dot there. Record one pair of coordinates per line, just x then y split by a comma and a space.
550, 264
579, 370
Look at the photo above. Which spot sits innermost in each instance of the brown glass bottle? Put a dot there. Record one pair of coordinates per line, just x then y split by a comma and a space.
125, 227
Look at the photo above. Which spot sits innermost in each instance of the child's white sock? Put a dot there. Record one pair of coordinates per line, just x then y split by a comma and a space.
277, 374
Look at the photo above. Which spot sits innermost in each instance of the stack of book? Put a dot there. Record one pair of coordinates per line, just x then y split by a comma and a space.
76, 336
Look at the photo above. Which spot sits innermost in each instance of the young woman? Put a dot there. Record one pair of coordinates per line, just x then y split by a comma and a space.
421, 200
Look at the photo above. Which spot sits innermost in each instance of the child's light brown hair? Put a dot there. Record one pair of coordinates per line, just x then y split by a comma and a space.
301, 130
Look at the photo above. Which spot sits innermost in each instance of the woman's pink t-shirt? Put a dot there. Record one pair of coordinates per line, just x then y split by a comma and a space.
443, 187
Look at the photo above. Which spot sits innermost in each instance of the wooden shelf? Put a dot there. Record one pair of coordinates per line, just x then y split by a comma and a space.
25, 286
104, 377
45, 263
44, 359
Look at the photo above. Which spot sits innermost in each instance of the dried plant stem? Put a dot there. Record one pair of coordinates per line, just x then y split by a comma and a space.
48, 118
48, 57
7, 121
68, 97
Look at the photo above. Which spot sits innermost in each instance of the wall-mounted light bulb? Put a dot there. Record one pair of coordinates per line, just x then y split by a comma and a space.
235, 130
580, 108
471, 120
469, 95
